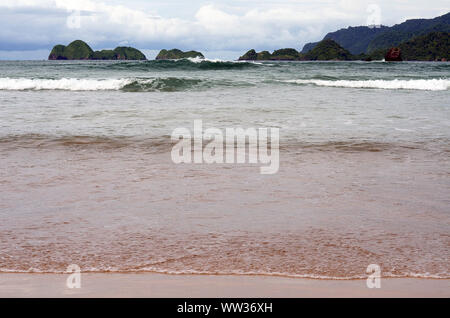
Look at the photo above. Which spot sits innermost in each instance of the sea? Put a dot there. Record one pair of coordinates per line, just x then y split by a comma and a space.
87, 177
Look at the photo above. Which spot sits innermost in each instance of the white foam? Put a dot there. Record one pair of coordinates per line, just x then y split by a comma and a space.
444, 275
70, 84
422, 84
196, 59
200, 60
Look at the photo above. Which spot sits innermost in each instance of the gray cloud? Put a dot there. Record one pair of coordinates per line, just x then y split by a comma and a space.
232, 25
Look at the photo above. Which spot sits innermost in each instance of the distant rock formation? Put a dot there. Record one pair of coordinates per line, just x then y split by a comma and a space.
128, 53
79, 50
308, 47
264, 55
278, 55
285, 55
393, 55
328, 50
58, 53
176, 54
249, 56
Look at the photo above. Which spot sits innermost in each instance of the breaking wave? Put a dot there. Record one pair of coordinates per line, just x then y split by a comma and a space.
416, 84
68, 84
175, 84
191, 64
169, 84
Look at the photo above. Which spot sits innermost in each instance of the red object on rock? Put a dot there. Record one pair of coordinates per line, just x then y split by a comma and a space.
394, 55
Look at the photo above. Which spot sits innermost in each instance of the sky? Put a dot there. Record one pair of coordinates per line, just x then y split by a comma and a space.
220, 29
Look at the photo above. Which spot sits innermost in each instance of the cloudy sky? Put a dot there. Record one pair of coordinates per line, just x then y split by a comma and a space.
221, 29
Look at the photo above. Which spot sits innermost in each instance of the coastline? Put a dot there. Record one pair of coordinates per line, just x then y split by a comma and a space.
151, 285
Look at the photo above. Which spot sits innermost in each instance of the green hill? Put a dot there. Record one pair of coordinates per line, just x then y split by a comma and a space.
431, 47
278, 55
285, 55
405, 31
354, 39
57, 53
79, 50
364, 39
176, 54
434, 46
251, 55
263, 56
328, 50
128, 53
105, 55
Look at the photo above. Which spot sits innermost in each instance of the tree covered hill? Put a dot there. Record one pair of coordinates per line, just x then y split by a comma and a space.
364, 39
328, 50
434, 46
79, 50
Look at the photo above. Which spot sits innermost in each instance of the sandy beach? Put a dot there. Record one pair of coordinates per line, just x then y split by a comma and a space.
91, 178
142, 285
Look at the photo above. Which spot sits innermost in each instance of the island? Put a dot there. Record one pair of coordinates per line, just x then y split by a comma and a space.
325, 50
412, 40
80, 50
328, 50
176, 54
434, 46
279, 55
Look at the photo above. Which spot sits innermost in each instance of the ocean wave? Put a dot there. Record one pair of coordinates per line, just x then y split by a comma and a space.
155, 144
169, 84
152, 270
174, 84
183, 65
164, 143
68, 84
416, 84
201, 60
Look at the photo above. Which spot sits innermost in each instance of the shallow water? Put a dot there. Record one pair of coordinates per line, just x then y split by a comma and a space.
87, 176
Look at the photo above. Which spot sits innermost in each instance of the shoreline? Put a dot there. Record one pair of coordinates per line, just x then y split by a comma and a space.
152, 285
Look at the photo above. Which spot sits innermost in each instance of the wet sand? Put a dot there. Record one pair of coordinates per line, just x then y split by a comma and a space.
194, 286
325, 215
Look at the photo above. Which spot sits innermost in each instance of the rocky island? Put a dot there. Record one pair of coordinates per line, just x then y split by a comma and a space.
279, 55
79, 50
325, 50
412, 40
328, 50
434, 46
176, 54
